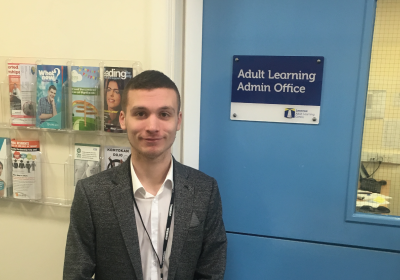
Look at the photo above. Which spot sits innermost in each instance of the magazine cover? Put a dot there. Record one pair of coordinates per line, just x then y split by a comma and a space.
5, 168
22, 90
51, 96
115, 156
85, 98
115, 80
26, 172
87, 161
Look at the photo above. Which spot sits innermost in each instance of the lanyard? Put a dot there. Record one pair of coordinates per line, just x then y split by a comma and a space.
167, 229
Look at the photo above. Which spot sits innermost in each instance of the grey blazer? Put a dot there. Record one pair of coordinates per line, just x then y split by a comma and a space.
102, 236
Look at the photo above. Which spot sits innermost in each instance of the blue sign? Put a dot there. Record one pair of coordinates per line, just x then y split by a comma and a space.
289, 80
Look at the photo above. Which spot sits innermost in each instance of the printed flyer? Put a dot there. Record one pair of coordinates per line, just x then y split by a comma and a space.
115, 80
26, 171
22, 91
87, 161
85, 98
115, 156
52, 93
5, 168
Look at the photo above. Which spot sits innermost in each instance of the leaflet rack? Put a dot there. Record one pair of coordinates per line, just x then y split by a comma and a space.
57, 145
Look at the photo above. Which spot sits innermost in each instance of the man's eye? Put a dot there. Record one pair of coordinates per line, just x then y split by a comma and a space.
140, 114
164, 114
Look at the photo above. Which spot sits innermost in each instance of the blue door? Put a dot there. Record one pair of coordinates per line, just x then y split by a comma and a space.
285, 187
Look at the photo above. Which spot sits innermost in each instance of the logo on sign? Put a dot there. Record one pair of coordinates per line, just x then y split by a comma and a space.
290, 113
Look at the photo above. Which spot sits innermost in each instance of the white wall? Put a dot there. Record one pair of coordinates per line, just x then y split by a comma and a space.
32, 236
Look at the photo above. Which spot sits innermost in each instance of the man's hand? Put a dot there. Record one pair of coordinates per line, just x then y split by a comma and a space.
53, 104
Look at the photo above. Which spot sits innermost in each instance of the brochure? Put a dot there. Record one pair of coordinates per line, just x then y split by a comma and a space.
22, 91
87, 161
5, 168
85, 98
115, 80
52, 94
115, 156
26, 171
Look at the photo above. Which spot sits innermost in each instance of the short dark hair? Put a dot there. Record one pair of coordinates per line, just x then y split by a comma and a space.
52, 87
150, 79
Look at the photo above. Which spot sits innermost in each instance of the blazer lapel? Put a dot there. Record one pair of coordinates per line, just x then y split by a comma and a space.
122, 199
182, 214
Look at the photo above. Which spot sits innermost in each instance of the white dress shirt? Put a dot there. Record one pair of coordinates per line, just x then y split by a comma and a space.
154, 211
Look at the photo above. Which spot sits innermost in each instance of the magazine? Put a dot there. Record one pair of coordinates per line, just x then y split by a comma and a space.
5, 168
85, 98
22, 91
115, 156
26, 173
115, 80
52, 93
87, 161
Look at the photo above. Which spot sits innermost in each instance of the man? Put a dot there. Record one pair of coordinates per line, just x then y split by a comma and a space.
15, 98
16, 92
47, 105
126, 219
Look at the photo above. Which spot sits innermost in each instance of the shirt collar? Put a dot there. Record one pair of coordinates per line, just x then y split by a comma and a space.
138, 187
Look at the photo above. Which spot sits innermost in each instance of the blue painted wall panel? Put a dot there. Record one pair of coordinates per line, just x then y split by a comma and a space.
264, 258
289, 180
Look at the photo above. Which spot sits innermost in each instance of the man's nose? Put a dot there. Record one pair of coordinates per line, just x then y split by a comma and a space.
152, 123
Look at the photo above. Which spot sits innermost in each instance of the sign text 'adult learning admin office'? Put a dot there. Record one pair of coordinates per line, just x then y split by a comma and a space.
277, 88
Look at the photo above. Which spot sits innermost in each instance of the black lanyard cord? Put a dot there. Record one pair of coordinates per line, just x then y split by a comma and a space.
167, 229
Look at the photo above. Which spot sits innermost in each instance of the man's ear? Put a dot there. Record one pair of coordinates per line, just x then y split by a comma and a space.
179, 121
122, 120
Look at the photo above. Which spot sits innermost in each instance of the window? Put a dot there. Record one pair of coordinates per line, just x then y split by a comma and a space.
379, 181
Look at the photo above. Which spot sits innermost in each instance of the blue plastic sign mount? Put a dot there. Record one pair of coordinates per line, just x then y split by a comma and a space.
277, 88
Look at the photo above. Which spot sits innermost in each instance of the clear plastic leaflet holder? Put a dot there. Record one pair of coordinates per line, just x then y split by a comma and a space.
57, 145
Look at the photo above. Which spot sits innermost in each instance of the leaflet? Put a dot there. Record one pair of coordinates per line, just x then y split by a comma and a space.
5, 168
87, 161
52, 93
85, 98
26, 171
115, 156
115, 80
22, 91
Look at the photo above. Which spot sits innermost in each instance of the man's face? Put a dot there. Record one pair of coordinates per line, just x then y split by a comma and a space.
51, 93
151, 121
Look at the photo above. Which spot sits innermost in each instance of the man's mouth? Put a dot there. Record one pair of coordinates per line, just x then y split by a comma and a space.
152, 139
